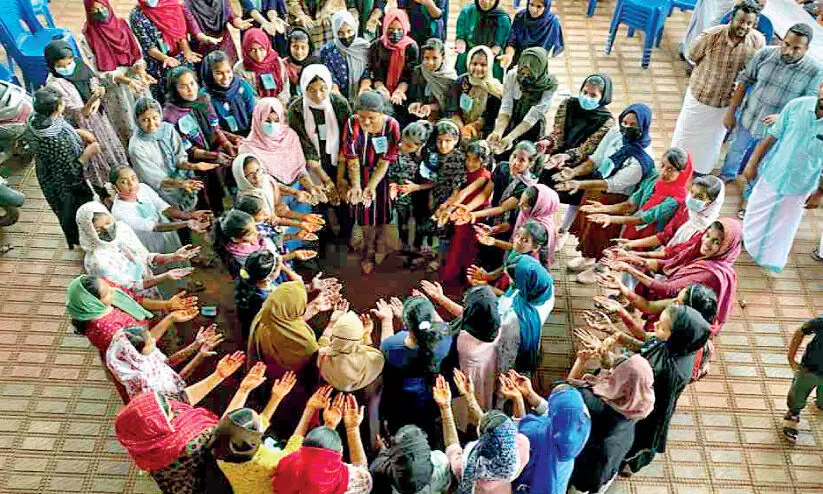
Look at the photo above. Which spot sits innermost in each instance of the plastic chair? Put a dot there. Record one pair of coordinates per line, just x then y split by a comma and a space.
648, 16
683, 5
41, 7
24, 39
7, 75
591, 7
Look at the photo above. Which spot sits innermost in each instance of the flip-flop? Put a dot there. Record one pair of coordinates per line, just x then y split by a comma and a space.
5, 248
816, 256
741, 213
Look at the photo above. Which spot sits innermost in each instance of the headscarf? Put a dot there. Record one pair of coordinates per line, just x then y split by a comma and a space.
700, 220
357, 53
480, 317
125, 244
80, 78
676, 190
295, 67
112, 41
407, 462
439, 81
494, 455
397, 51
141, 373
269, 193
199, 108
167, 16
154, 442
636, 149
689, 331
279, 331
45, 126
237, 437
349, 363
544, 31
555, 440
210, 14
483, 32
537, 60
545, 206
533, 286
280, 154
481, 88
83, 306
311, 469
628, 388
331, 124
224, 94
269, 65
580, 124
688, 261
418, 316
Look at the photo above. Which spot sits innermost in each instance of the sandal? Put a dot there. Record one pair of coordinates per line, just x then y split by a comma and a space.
790, 427
816, 256
741, 213
587, 277
579, 264
5, 248
562, 238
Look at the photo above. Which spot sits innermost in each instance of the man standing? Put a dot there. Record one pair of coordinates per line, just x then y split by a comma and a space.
775, 75
719, 54
787, 178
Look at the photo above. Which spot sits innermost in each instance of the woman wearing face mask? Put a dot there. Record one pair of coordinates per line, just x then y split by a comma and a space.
113, 52
392, 57
430, 82
535, 25
81, 94
346, 56
162, 28
232, 97
214, 17
527, 97
300, 55
61, 157
370, 145
194, 118
114, 252
262, 67
609, 175
473, 100
482, 22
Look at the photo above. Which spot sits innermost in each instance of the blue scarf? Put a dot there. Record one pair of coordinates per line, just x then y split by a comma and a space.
494, 455
636, 149
534, 287
555, 440
545, 31
221, 95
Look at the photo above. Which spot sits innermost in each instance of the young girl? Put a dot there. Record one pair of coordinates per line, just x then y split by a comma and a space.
530, 239
232, 97
262, 271
262, 67
430, 82
474, 98
301, 54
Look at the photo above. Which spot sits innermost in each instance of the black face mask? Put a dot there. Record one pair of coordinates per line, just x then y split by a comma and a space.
630, 133
108, 234
101, 15
347, 41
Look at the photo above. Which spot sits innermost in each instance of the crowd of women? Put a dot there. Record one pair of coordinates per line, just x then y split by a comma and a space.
343, 122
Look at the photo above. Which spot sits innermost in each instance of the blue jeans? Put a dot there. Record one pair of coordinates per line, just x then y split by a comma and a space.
737, 151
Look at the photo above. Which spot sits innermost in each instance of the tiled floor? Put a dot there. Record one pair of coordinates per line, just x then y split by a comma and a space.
56, 407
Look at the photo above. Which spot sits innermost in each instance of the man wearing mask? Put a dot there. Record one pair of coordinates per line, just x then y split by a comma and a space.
719, 53
773, 77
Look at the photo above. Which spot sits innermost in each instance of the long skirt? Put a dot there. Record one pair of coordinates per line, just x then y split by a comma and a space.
700, 131
595, 238
185, 475
770, 224
112, 152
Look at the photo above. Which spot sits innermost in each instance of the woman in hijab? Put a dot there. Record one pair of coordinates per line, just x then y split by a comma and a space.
167, 437
392, 58
608, 176
474, 98
262, 67
616, 399
214, 17
346, 358
61, 157
523, 309
409, 466
539, 203
114, 252
253, 287
527, 97
430, 82
81, 94
482, 22
300, 54
535, 25
346, 56
232, 97
194, 118
113, 52
162, 29
680, 332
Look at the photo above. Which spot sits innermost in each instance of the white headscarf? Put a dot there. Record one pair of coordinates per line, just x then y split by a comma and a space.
332, 126
269, 194
357, 54
699, 220
440, 80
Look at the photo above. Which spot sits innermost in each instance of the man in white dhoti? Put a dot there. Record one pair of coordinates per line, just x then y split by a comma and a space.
789, 178
706, 14
719, 54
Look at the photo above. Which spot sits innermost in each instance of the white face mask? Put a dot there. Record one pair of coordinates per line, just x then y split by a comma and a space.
152, 3
67, 70
271, 128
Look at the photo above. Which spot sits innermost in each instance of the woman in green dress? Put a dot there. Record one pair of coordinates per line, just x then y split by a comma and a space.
482, 23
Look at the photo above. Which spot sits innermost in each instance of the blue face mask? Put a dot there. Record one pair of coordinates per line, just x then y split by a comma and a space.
695, 205
270, 128
396, 36
67, 70
588, 102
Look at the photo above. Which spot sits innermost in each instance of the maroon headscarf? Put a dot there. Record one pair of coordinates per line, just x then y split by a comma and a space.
270, 64
168, 17
112, 41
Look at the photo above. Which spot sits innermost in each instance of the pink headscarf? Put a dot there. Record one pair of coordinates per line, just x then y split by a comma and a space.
280, 154
628, 388
545, 205
398, 50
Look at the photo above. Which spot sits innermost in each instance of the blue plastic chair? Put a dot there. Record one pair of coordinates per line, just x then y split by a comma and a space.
24, 39
683, 5
591, 7
7, 75
648, 16
41, 7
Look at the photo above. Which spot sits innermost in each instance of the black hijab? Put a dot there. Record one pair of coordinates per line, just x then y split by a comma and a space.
199, 107
581, 124
480, 316
406, 464
80, 78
